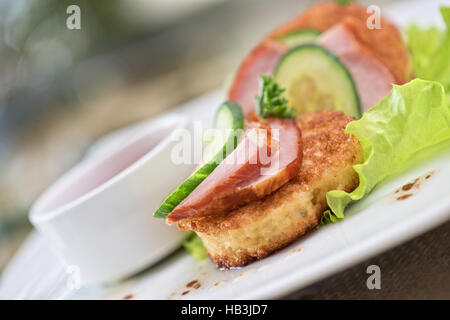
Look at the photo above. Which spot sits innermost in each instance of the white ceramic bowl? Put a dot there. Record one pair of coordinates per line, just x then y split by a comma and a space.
99, 214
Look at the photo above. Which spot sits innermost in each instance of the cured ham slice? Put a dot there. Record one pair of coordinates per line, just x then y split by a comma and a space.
261, 61
244, 162
381, 52
385, 42
285, 164
233, 184
372, 78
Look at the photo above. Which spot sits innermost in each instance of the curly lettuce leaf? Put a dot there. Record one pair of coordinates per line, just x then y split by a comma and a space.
430, 51
411, 123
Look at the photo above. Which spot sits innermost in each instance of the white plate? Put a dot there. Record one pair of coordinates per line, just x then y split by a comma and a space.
373, 225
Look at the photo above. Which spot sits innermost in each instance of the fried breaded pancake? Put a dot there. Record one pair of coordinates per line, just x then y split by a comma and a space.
256, 230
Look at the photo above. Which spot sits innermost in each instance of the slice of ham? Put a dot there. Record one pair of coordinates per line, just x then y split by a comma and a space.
285, 164
261, 61
372, 78
386, 43
232, 185
376, 57
243, 163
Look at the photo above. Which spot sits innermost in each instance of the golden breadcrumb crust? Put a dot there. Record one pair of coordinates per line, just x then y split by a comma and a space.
256, 230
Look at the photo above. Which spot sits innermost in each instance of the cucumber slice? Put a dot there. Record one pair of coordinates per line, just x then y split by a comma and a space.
230, 119
315, 79
300, 36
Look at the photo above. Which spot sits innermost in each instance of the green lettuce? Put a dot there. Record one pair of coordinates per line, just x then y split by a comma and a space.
430, 51
412, 119
194, 245
411, 123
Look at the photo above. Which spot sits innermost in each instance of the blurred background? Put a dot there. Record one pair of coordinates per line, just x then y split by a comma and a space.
62, 89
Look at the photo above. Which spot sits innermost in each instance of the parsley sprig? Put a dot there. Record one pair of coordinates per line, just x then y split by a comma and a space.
271, 103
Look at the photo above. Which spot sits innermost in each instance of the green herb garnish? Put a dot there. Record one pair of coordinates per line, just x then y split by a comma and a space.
271, 103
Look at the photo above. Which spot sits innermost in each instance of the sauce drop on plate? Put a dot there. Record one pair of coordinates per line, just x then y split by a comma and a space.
405, 196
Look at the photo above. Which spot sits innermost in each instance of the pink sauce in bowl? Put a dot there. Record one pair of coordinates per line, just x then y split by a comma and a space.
99, 214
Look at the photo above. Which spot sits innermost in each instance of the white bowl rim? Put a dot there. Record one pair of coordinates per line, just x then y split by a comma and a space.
36, 214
